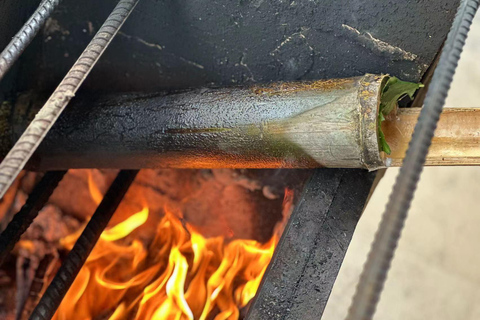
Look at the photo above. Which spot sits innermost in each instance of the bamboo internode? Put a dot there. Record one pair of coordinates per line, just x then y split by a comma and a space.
456, 141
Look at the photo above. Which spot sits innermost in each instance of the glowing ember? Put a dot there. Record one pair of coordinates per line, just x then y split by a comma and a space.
179, 275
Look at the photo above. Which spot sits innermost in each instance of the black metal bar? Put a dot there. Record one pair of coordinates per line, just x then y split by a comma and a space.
312, 248
67, 273
22, 220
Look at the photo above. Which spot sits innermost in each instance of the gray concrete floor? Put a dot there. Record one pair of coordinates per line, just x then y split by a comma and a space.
436, 270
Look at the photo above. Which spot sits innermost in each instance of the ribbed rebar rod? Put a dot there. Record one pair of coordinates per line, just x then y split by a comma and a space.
22, 39
23, 219
67, 273
386, 239
46, 117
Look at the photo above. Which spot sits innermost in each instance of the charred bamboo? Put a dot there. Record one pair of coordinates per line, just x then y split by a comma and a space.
314, 124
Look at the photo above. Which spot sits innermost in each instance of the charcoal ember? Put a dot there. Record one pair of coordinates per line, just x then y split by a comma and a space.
18, 202
29, 180
219, 210
7, 298
39, 241
219, 202
73, 196
269, 193
20, 199
229, 177
174, 184
4, 280
277, 180
106, 177
45, 270
158, 189
183, 189
50, 226
27, 263
154, 189
7, 203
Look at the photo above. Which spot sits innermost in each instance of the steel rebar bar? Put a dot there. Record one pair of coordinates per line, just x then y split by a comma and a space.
67, 273
22, 39
46, 117
24, 218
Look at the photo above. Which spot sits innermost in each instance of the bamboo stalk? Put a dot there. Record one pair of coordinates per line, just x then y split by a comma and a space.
456, 141
328, 123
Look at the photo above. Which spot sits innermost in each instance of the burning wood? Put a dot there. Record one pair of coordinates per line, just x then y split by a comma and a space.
152, 261
179, 275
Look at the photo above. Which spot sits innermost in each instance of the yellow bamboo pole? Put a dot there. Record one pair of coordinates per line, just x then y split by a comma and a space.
456, 141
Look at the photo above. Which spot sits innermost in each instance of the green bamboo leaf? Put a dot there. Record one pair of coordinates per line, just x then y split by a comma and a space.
393, 91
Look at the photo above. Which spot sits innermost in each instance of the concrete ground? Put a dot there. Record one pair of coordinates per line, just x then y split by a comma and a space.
436, 269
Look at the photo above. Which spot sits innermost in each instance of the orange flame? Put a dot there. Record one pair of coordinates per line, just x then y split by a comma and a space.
95, 192
178, 275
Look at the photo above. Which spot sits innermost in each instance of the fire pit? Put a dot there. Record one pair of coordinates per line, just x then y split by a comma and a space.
182, 243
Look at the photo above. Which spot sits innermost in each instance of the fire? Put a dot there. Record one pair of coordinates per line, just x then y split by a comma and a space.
179, 275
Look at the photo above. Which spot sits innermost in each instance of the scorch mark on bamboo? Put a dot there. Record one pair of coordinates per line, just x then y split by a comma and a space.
369, 41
